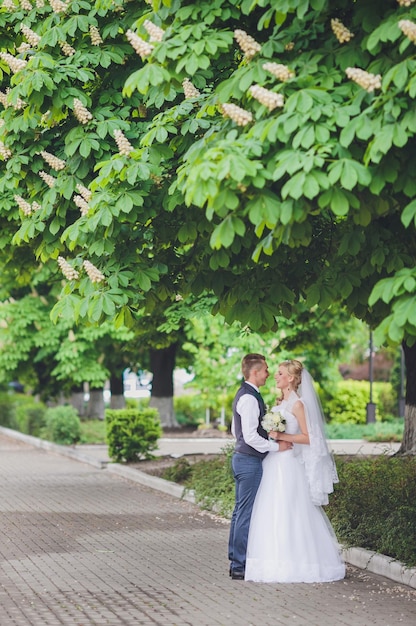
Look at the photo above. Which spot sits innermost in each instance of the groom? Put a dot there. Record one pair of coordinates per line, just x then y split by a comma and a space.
252, 445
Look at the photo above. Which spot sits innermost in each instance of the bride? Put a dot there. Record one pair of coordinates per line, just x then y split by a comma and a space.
291, 539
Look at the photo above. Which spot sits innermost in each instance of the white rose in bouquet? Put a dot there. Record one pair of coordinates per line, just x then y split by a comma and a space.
274, 421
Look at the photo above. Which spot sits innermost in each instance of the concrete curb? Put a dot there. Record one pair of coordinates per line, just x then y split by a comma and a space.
154, 482
53, 447
381, 564
359, 557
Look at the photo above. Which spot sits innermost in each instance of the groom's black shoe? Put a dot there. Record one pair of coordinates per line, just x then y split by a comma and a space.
237, 575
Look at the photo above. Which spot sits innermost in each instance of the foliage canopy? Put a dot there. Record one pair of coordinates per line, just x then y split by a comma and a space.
157, 186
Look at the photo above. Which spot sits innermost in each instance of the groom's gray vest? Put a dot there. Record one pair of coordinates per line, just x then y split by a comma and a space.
241, 445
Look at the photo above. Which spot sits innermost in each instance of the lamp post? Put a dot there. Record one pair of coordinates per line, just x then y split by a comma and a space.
371, 407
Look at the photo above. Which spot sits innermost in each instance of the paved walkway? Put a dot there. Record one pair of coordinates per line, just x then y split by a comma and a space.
83, 547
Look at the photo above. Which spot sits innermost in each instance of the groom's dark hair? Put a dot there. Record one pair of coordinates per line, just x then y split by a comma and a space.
250, 362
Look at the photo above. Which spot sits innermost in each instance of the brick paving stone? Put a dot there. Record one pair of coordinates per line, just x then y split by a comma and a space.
83, 547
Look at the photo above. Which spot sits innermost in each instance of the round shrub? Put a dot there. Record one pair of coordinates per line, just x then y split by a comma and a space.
132, 434
62, 425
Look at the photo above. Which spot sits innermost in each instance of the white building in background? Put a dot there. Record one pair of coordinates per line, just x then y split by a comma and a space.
140, 385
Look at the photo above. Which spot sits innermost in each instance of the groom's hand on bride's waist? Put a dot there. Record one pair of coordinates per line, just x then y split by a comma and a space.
284, 445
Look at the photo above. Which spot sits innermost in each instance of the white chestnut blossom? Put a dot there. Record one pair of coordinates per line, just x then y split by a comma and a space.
279, 71
53, 161
366, 80
26, 5
142, 47
81, 112
47, 178
408, 28
340, 31
93, 272
25, 206
32, 37
5, 152
15, 64
156, 33
67, 270
85, 193
4, 100
405, 3
189, 89
95, 36
58, 6
270, 99
240, 116
248, 45
9, 5
82, 204
68, 50
123, 144
24, 47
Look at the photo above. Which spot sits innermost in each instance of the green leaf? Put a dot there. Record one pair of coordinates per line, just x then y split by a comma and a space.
144, 281
223, 234
294, 186
409, 214
311, 187
339, 202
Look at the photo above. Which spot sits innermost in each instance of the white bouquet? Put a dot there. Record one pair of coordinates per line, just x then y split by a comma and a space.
274, 421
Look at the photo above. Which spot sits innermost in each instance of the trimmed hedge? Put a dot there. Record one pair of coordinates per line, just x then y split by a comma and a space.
372, 507
132, 434
348, 403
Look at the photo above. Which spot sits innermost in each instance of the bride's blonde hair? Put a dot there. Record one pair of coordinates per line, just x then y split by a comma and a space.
294, 369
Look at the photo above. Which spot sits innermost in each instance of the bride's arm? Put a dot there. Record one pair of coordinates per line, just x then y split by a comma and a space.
302, 437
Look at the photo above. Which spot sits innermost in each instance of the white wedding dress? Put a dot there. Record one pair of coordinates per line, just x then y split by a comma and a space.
291, 539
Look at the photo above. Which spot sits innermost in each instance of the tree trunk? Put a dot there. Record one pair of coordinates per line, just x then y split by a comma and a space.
408, 445
117, 400
77, 400
162, 364
96, 404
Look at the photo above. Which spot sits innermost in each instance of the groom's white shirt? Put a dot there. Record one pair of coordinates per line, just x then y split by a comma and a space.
248, 408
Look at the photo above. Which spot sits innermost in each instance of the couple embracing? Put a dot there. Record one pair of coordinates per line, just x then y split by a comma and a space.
279, 532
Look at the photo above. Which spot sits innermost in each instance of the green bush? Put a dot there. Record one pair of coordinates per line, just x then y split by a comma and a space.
185, 412
7, 410
213, 483
132, 434
62, 425
374, 505
190, 409
22, 412
137, 403
348, 405
179, 472
29, 415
